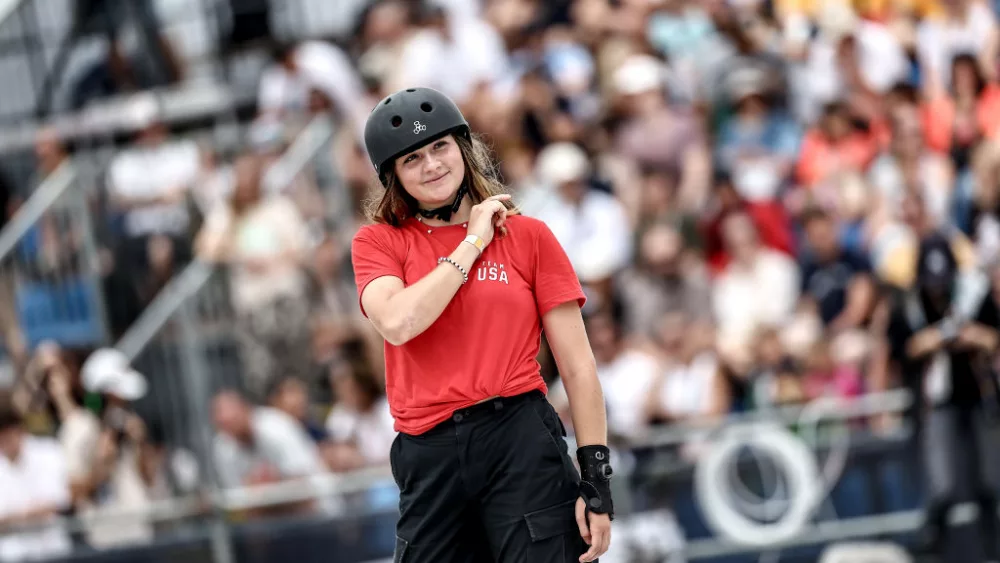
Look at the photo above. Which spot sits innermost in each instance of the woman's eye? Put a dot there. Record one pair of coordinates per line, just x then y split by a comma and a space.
410, 159
440, 144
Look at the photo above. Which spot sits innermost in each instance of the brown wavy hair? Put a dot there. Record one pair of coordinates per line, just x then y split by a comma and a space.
392, 205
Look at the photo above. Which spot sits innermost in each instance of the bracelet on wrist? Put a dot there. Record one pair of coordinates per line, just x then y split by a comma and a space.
465, 275
476, 241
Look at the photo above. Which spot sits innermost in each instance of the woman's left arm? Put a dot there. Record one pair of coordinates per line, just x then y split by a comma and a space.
567, 338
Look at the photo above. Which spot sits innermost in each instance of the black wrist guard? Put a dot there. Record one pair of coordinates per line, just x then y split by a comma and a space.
595, 478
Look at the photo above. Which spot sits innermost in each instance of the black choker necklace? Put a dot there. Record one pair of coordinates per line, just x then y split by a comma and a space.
444, 212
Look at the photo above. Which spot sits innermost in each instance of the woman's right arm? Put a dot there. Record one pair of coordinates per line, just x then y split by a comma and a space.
402, 313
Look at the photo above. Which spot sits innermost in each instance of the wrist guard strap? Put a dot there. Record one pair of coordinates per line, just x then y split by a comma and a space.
595, 478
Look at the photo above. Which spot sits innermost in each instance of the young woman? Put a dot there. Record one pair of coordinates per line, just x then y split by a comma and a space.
460, 287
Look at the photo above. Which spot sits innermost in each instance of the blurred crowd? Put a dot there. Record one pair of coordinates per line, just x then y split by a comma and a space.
743, 188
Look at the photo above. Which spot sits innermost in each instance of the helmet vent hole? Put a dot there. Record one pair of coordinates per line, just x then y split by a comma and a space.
397, 121
387, 100
426, 107
411, 89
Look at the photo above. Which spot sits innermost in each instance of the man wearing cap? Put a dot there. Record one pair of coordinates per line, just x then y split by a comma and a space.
942, 337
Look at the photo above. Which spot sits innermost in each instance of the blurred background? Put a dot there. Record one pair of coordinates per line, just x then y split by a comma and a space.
743, 187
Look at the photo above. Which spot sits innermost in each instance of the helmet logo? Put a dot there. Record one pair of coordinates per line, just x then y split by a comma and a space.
418, 127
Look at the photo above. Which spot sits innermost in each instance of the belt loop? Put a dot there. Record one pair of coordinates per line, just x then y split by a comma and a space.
498, 404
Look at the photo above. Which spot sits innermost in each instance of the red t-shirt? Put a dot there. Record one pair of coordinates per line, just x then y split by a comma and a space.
485, 342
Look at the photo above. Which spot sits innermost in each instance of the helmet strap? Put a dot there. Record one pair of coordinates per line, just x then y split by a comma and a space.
445, 212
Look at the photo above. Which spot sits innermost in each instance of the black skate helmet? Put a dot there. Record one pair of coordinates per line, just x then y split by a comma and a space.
408, 120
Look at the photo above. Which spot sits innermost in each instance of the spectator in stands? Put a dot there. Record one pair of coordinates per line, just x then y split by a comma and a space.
35, 490
360, 424
591, 225
836, 282
109, 477
654, 134
455, 55
264, 240
259, 445
149, 185
908, 165
666, 277
984, 216
291, 396
758, 288
757, 146
963, 111
627, 374
770, 218
963, 26
285, 88
335, 317
51, 399
691, 385
838, 144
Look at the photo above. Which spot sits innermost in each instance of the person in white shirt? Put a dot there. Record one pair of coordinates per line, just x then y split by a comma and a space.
759, 288
286, 86
256, 445
360, 424
591, 225
34, 490
453, 54
265, 241
965, 26
628, 375
149, 184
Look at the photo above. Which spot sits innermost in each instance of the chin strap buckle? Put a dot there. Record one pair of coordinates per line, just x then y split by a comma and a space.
445, 212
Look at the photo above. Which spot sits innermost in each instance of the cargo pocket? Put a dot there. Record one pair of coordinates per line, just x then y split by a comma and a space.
553, 533
399, 553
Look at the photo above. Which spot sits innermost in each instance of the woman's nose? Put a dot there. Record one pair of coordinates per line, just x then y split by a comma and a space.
431, 163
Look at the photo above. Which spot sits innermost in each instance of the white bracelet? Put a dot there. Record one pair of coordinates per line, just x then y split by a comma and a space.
465, 275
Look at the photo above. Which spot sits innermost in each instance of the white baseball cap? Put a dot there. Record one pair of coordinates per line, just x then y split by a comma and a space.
560, 163
639, 74
107, 370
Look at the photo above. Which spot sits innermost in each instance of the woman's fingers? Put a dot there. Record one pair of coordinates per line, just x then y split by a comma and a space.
581, 520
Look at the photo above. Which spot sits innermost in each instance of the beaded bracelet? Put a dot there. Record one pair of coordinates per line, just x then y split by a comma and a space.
465, 275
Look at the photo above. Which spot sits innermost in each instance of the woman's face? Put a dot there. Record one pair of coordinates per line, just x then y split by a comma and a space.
836, 125
293, 399
657, 194
432, 173
346, 388
660, 248
247, 170
964, 75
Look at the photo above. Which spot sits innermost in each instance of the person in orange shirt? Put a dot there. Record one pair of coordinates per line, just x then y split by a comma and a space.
836, 145
955, 120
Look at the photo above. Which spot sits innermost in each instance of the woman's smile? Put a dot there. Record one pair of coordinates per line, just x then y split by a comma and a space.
437, 180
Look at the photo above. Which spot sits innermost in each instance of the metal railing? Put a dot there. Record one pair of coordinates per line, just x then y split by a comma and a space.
50, 267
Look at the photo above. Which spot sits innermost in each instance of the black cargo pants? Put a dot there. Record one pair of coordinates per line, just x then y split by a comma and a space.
494, 483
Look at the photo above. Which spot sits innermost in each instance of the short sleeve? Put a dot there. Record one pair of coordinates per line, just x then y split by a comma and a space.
373, 256
555, 281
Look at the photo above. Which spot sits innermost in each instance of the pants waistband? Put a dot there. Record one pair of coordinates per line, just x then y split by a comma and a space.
486, 408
